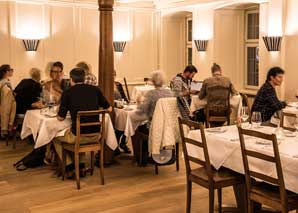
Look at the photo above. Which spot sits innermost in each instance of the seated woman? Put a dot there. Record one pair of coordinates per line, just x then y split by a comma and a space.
7, 104
145, 113
28, 91
146, 108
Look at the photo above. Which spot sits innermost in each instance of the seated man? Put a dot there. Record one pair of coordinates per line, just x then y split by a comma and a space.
52, 90
80, 97
216, 80
90, 78
266, 100
27, 92
119, 93
180, 85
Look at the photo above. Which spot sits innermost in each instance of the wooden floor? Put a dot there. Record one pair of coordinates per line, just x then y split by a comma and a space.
128, 188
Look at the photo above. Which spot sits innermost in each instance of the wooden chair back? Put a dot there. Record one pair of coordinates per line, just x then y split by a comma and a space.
218, 104
282, 120
202, 145
100, 123
126, 88
275, 159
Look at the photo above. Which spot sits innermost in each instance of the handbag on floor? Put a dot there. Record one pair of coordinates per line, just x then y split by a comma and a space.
33, 159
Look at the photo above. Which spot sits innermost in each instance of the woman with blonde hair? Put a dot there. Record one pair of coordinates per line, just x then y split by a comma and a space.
28, 91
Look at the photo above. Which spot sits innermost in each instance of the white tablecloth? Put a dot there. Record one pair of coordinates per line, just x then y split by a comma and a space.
224, 150
127, 120
44, 129
139, 91
235, 102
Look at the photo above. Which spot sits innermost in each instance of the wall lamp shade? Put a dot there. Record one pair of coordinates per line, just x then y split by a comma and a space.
272, 43
119, 46
31, 44
201, 45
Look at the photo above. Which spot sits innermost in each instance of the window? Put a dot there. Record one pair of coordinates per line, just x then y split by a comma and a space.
188, 40
252, 49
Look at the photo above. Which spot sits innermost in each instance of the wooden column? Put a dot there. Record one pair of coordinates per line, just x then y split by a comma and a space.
106, 59
106, 51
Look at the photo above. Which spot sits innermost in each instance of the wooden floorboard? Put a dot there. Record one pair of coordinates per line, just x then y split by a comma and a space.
128, 188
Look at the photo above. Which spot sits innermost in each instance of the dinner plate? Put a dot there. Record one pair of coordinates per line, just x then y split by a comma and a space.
293, 104
288, 133
128, 109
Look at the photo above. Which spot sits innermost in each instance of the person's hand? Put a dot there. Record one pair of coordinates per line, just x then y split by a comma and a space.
37, 105
194, 92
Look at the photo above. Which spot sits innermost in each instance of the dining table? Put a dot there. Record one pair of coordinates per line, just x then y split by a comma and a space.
45, 128
127, 119
225, 151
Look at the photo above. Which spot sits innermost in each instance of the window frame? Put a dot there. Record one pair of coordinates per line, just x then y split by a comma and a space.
189, 44
250, 43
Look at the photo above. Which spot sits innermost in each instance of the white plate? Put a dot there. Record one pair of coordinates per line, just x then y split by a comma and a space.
293, 104
288, 133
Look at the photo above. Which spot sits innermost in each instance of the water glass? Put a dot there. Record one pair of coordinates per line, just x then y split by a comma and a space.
256, 119
244, 114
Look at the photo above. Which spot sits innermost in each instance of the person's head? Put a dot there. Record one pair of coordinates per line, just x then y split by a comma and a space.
56, 72
158, 78
77, 75
5, 71
84, 66
275, 76
216, 70
190, 71
35, 74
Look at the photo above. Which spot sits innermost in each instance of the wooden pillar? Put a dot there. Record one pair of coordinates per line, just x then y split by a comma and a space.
106, 51
106, 58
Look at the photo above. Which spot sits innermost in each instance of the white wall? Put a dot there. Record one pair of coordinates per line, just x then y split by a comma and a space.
71, 34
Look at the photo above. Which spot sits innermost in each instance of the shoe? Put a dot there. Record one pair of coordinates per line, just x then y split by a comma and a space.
125, 148
117, 152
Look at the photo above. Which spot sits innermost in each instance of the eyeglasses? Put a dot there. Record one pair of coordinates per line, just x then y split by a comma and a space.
55, 71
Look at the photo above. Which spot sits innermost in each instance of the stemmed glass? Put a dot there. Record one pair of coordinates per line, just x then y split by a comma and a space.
244, 114
256, 119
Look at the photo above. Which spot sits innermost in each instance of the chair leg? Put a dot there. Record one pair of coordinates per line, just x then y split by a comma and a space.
177, 157
92, 163
101, 153
63, 163
141, 153
77, 169
188, 196
250, 206
156, 168
14, 141
211, 200
6, 139
219, 196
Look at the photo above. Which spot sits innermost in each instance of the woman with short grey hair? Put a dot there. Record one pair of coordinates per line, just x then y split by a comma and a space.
146, 109
28, 91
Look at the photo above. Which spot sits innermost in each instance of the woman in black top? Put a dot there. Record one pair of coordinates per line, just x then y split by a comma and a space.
28, 91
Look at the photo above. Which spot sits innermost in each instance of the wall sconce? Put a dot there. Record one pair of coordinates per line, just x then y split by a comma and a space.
119, 46
31, 44
273, 43
201, 45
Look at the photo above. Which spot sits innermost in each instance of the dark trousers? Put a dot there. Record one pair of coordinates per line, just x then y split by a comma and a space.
121, 138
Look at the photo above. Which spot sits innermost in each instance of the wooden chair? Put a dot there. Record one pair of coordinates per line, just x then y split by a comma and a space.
218, 105
282, 120
96, 146
126, 88
206, 176
276, 196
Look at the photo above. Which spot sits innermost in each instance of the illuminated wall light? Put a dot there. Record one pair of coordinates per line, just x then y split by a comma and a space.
272, 43
119, 46
31, 44
201, 45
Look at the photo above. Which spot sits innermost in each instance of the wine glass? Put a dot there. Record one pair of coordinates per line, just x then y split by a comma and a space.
256, 119
244, 114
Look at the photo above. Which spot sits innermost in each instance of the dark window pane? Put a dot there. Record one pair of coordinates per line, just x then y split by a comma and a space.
252, 66
253, 26
189, 33
189, 55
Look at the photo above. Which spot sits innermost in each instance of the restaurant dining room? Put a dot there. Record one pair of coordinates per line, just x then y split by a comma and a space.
148, 106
